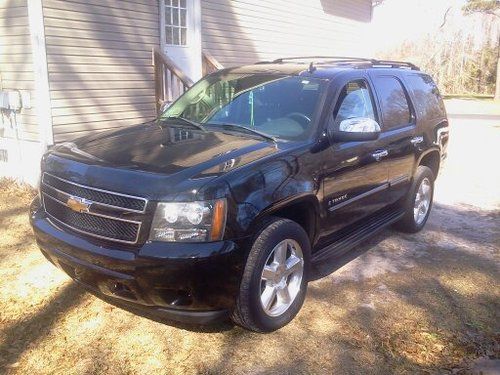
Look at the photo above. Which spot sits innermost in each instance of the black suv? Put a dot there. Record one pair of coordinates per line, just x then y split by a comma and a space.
226, 204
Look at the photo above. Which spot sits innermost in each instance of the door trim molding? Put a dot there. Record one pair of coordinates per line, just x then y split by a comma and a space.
399, 180
161, 18
360, 196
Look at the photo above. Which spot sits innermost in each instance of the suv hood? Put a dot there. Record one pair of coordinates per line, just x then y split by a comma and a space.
155, 153
167, 149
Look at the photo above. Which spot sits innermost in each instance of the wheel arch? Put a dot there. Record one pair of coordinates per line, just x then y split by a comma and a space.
431, 159
303, 210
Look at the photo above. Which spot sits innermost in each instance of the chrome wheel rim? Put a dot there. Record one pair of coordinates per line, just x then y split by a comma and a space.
422, 201
281, 277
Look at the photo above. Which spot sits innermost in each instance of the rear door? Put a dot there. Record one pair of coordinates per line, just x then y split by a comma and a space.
397, 119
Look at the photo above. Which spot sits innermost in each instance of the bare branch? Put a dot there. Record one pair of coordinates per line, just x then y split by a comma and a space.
445, 17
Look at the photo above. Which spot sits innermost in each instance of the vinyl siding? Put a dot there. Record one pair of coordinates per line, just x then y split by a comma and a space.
99, 63
16, 68
245, 31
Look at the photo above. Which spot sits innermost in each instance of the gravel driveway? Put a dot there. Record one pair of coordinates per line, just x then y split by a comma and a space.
427, 302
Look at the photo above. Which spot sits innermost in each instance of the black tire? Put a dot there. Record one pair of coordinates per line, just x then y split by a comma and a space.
408, 223
248, 311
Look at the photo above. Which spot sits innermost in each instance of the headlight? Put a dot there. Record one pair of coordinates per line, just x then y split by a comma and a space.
189, 221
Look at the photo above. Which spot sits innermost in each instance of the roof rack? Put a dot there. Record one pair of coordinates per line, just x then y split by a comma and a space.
396, 64
344, 60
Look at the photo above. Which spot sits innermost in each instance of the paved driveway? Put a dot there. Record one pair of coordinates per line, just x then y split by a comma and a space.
400, 304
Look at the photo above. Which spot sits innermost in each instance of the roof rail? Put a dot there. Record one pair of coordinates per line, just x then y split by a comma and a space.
396, 64
344, 59
324, 58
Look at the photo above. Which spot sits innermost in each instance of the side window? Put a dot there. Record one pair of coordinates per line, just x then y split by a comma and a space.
393, 102
427, 98
354, 101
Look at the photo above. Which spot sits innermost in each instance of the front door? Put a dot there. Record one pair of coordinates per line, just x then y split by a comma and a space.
180, 27
355, 180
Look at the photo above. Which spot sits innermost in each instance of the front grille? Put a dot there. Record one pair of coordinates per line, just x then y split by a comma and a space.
105, 215
96, 195
96, 225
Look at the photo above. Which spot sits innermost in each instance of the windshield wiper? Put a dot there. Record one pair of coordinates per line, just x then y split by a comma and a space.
184, 121
244, 129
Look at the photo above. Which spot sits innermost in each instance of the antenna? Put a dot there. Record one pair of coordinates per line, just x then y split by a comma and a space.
312, 68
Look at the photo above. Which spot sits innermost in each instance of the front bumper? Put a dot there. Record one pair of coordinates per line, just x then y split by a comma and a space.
185, 282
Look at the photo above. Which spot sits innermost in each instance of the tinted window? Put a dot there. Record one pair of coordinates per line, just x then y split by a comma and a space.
427, 98
393, 102
281, 106
354, 101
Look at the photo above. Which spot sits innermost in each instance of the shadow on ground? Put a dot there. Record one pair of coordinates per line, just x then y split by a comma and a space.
34, 327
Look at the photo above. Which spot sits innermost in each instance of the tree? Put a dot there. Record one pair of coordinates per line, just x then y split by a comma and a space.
482, 6
491, 7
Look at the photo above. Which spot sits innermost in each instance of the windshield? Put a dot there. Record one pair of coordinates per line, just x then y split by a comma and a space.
275, 105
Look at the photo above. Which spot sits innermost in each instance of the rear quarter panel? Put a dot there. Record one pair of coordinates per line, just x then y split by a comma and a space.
432, 120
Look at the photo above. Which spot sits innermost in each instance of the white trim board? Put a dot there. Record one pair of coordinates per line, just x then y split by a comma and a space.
43, 107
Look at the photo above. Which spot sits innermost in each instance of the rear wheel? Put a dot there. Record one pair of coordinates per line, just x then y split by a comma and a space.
418, 202
274, 282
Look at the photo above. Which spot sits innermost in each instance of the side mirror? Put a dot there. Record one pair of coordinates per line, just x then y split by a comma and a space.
354, 129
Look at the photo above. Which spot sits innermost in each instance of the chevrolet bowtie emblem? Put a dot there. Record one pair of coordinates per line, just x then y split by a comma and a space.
79, 204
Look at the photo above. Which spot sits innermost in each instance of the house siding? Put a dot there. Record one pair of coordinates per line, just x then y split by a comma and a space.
99, 63
245, 31
16, 66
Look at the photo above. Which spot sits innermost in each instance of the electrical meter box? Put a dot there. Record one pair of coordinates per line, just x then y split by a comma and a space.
14, 100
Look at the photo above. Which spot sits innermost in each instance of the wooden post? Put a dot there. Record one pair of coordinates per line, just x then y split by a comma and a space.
158, 80
170, 80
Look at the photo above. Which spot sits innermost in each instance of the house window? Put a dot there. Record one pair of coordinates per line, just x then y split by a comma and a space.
176, 22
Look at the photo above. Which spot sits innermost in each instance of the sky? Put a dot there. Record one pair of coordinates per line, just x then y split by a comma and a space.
395, 21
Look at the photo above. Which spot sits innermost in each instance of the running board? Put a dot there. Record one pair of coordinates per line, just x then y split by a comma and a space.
351, 238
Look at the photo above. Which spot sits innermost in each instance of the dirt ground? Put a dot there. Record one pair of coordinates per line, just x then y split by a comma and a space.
423, 303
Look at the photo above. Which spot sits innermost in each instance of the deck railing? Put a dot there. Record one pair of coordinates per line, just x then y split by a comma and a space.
170, 80
209, 63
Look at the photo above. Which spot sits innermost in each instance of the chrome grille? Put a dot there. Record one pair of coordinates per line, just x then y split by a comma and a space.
127, 202
90, 224
106, 215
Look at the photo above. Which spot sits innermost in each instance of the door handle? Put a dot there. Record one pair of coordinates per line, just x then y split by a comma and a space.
416, 140
377, 155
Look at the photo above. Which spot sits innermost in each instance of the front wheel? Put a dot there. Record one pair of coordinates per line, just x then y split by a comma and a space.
418, 203
274, 282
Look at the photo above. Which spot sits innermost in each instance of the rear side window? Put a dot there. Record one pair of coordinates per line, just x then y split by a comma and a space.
427, 98
393, 102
